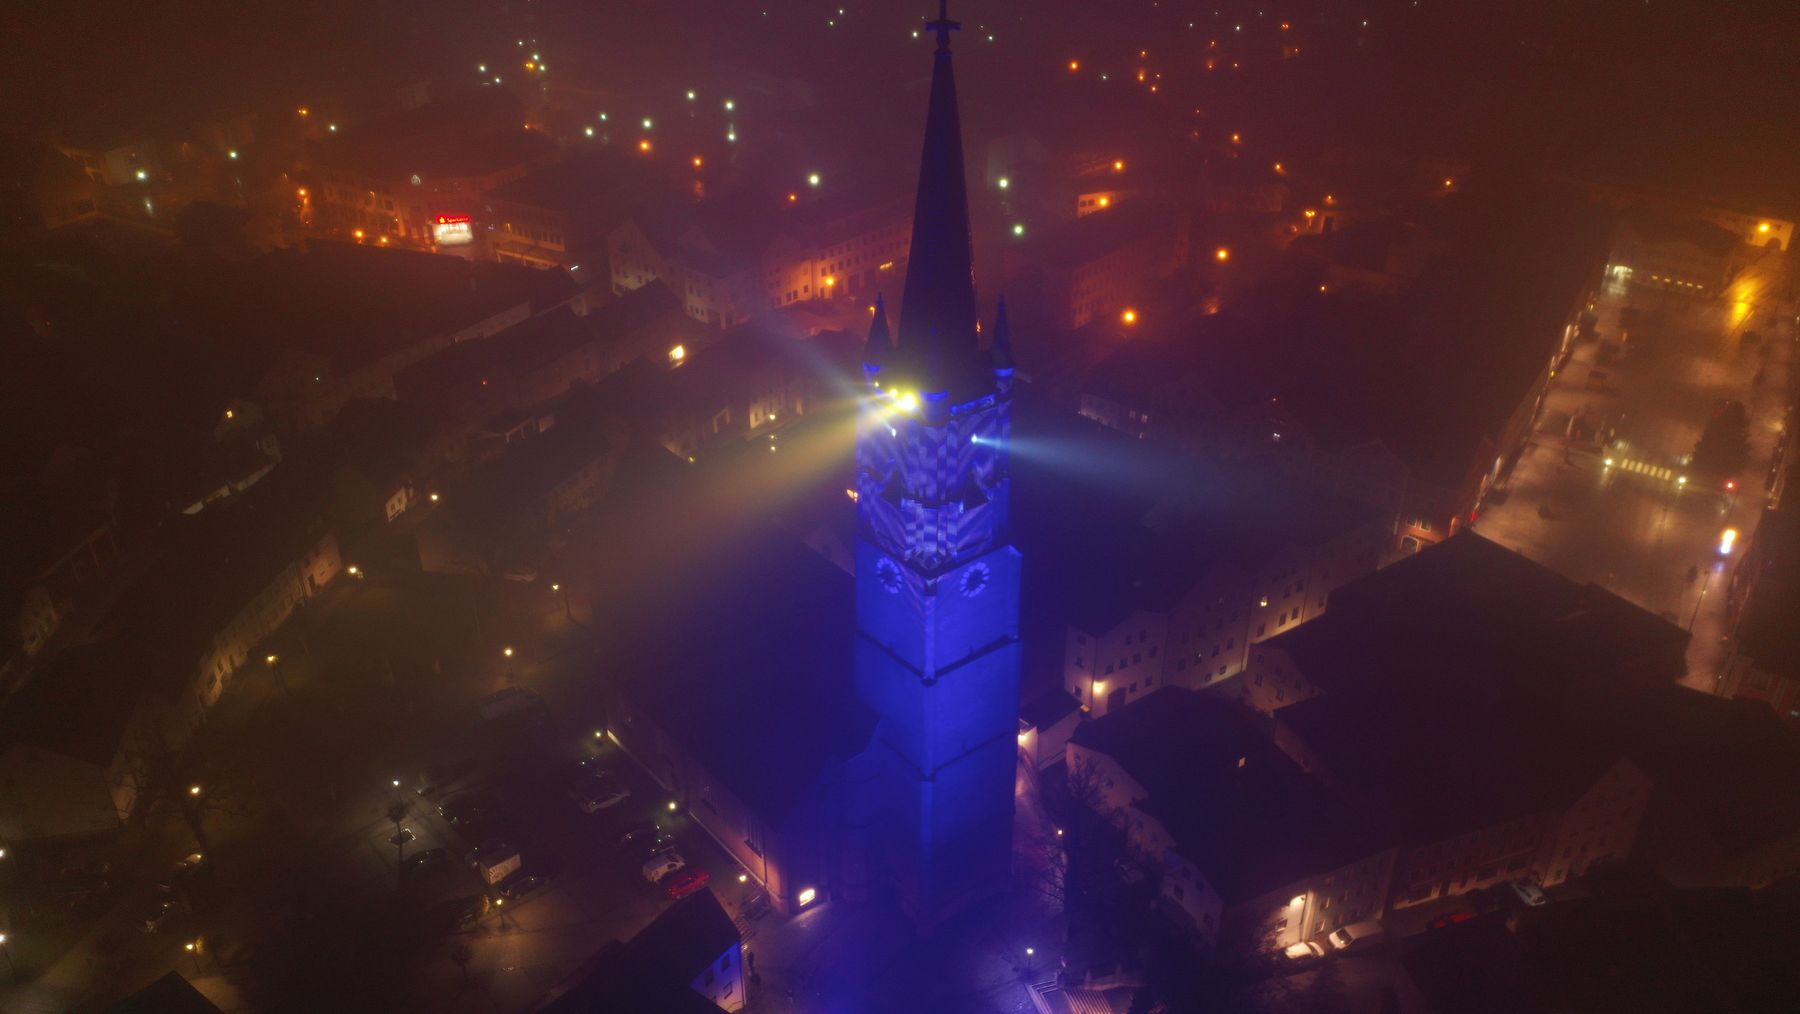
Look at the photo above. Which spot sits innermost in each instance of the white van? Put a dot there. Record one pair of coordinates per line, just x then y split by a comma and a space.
1355, 935
658, 867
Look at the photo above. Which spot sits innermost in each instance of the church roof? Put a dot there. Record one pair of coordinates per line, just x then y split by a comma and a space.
1237, 807
654, 970
938, 339
749, 667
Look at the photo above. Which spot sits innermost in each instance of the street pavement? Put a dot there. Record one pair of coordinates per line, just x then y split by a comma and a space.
1633, 527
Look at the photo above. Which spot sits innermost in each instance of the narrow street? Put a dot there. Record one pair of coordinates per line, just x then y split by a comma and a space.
1632, 516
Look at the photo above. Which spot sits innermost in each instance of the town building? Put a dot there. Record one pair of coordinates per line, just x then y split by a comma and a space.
538, 359
1507, 723
1251, 852
689, 960
739, 255
1751, 228
1417, 402
82, 738
1764, 598
419, 178
336, 322
1630, 949
559, 214
78, 744
1180, 598
54, 558
1687, 256
1097, 265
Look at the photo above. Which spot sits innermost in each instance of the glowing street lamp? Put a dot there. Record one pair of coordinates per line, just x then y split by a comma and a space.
1129, 316
1222, 254
1018, 228
507, 651
812, 179
193, 790
1003, 182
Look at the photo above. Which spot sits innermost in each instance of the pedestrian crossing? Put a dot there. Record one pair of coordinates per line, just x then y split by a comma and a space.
1654, 471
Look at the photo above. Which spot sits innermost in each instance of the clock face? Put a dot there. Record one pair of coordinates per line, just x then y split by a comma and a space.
975, 580
888, 573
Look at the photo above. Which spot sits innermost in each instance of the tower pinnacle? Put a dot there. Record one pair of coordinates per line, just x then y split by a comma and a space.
936, 349
943, 26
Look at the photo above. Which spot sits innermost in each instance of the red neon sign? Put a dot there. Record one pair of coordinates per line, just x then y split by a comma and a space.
452, 219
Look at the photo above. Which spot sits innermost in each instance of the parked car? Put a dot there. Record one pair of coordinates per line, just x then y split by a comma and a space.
468, 808
427, 859
636, 833
510, 701
573, 772
1449, 919
157, 914
1355, 935
84, 869
596, 794
1527, 893
442, 776
1305, 951
460, 913
75, 894
651, 846
685, 881
658, 867
520, 883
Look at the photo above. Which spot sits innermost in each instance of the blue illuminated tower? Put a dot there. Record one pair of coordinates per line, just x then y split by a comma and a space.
937, 579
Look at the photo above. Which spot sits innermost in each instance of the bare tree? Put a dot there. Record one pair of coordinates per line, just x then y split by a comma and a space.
461, 955
396, 812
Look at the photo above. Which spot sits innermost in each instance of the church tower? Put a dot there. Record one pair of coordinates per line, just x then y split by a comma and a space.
937, 579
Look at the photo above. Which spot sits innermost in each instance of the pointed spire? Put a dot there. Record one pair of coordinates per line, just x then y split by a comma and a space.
1002, 349
937, 309
880, 343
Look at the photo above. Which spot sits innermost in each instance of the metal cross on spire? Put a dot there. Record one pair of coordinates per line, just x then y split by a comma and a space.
943, 26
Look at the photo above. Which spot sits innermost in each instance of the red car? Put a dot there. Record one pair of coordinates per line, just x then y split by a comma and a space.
1451, 919
685, 881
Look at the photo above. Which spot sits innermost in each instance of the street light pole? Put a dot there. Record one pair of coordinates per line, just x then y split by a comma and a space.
1696, 614
274, 662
